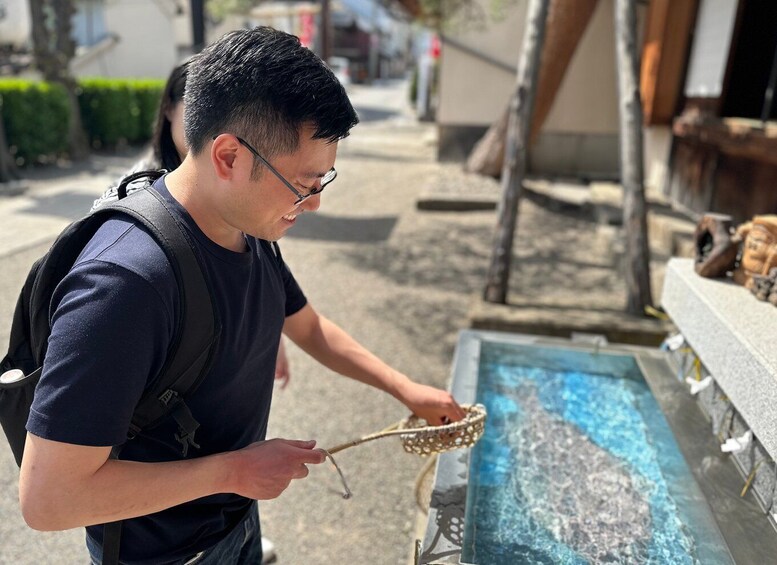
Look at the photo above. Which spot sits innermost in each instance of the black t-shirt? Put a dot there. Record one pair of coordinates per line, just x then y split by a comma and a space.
114, 318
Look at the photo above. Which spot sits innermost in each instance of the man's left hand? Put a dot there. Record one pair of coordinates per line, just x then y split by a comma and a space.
435, 406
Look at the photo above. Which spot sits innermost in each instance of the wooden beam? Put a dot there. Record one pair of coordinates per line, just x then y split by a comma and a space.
739, 138
668, 31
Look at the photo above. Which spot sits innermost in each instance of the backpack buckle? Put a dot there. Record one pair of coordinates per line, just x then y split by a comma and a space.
186, 439
187, 426
167, 396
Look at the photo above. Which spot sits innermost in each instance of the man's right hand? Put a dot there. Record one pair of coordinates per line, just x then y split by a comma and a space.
263, 470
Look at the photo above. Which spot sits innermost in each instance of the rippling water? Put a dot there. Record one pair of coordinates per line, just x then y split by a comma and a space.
579, 467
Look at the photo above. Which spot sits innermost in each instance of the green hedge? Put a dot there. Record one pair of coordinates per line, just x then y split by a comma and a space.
149, 94
119, 110
36, 119
114, 111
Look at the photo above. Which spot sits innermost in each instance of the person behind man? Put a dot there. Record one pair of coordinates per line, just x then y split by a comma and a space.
167, 147
263, 116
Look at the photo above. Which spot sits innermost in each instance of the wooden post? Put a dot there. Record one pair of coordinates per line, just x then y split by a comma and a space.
326, 30
637, 268
197, 8
514, 169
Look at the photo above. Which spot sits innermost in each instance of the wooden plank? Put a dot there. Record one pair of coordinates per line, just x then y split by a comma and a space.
665, 57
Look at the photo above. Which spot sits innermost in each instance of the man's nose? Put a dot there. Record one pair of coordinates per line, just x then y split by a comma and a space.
311, 203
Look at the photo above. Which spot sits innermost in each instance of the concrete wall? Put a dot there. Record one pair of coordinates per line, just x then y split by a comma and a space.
474, 92
657, 146
712, 39
580, 135
144, 44
14, 23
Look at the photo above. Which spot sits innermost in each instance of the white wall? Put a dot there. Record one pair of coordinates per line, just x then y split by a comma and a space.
475, 93
587, 100
14, 22
146, 45
657, 144
712, 38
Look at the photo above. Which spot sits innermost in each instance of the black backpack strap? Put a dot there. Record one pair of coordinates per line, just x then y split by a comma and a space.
150, 174
198, 327
190, 354
111, 543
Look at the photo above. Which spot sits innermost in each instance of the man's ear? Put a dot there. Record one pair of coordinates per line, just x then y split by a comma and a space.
224, 156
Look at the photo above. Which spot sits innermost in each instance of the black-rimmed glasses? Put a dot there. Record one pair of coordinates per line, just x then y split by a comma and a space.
325, 180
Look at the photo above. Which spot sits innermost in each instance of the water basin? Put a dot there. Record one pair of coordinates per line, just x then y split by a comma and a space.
582, 462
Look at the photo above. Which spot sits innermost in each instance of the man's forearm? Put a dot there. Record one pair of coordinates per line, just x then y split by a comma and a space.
116, 490
331, 346
66, 486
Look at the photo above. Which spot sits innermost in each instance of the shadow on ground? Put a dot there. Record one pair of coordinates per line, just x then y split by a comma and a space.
370, 114
417, 261
558, 258
70, 205
395, 157
322, 227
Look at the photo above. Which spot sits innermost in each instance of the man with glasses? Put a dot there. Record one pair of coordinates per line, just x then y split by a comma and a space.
263, 116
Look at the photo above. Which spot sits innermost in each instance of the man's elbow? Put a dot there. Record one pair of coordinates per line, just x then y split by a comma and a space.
38, 516
39, 507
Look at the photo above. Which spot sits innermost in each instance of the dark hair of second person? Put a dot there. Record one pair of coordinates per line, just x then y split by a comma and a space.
162, 142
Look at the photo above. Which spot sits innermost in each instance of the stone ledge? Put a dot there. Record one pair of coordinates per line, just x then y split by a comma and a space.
429, 202
733, 335
563, 321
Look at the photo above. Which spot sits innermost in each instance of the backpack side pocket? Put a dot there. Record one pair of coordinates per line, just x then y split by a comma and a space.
15, 401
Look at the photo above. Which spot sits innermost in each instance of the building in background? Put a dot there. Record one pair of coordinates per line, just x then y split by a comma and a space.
708, 82
15, 29
114, 38
146, 38
127, 38
709, 76
374, 42
477, 74
14, 23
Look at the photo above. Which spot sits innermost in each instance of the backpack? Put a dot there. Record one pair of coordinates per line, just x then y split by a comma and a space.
190, 354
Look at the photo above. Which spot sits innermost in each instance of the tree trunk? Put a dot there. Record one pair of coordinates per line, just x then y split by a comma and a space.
8, 170
514, 168
567, 22
637, 268
54, 48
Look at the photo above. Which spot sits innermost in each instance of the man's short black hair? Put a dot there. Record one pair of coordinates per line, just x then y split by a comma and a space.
263, 85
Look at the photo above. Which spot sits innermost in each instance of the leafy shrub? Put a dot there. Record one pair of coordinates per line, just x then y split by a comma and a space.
36, 118
108, 110
36, 115
118, 111
149, 94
